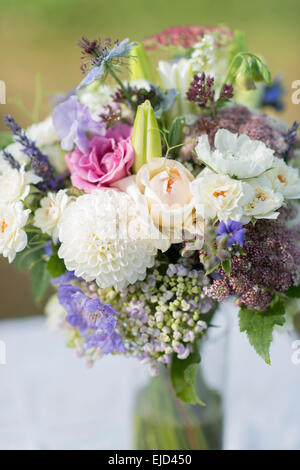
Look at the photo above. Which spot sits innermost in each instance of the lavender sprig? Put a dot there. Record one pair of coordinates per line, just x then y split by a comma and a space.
39, 162
11, 160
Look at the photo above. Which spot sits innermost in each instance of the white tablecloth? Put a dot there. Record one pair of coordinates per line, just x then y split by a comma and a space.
49, 400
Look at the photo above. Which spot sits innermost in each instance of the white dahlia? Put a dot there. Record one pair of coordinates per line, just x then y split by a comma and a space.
13, 238
103, 239
47, 218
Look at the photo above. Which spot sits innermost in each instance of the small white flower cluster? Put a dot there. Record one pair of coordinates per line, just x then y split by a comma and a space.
243, 180
208, 58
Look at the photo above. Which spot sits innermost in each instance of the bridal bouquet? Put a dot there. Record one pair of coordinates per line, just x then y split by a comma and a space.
153, 192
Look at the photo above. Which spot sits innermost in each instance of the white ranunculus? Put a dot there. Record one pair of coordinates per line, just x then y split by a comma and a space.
15, 184
284, 179
177, 75
103, 239
48, 216
13, 238
235, 156
220, 195
265, 201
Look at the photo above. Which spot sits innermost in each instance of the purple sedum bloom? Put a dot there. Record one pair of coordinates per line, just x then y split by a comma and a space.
95, 321
72, 120
233, 230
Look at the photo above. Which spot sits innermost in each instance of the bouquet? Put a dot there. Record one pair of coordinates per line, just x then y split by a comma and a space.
153, 192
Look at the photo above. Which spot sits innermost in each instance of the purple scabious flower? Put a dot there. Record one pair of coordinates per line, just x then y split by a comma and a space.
72, 120
233, 230
65, 278
96, 321
99, 57
39, 162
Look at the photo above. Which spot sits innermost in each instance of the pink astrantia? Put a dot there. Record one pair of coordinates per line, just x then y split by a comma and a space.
107, 160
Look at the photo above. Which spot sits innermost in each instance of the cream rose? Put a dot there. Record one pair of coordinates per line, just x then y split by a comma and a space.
161, 189
165, 185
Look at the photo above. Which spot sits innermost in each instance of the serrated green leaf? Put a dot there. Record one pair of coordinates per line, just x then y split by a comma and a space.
56, 266
293, 292
259, 326
183, 377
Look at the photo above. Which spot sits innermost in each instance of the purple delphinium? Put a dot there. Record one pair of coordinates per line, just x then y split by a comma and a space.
72, 120
39, 162
233, 230
99, 56
95, 321
273, 95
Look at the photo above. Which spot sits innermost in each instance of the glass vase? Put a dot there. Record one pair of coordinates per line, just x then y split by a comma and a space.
163, 422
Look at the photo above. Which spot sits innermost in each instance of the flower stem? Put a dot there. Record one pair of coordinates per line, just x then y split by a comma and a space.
123, 88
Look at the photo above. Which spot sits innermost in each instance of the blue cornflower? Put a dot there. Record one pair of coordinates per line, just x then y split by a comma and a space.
233, 230
273, 95
101, 57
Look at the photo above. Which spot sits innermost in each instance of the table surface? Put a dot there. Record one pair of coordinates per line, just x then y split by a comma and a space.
49, 400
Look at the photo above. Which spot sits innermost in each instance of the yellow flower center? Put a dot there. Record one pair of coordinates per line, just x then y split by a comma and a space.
3, 226
281, 178
220, 193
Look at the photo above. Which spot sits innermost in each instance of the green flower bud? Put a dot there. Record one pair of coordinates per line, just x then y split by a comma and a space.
139, 65
146, 140
244, 77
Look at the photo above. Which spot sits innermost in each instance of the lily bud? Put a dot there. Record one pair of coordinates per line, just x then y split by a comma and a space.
140, 66
146, 140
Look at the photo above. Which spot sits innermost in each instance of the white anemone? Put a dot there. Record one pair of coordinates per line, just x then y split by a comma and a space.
235, 156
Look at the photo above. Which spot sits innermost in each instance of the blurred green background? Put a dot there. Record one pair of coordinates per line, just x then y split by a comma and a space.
40, 37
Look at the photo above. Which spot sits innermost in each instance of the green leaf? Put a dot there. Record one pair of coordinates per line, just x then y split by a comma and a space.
183, 377
174, 134
40, 280
293, 292
56, 266
226, 265
259, 326
32, 259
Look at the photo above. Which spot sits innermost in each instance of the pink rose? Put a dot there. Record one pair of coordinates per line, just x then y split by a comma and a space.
107, 160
